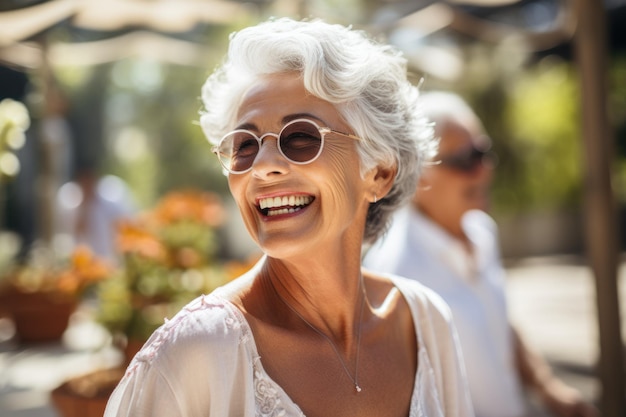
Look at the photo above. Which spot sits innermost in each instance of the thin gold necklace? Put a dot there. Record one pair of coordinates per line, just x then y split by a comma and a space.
354, 380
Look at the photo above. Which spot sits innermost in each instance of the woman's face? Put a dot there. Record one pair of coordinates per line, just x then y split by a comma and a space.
322, 202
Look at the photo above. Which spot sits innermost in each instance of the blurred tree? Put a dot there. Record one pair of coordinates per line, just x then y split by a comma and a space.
136, 118
542, 168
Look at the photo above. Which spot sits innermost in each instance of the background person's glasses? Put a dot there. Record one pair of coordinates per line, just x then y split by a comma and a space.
468, 160
300, 141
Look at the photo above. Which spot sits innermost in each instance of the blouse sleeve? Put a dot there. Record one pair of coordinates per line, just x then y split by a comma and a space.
144, 392
437, 333
195, 365
450, 367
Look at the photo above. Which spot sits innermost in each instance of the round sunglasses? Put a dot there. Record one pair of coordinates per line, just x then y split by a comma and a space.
300, 141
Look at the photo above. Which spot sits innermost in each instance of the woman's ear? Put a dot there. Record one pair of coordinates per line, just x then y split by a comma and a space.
381, 180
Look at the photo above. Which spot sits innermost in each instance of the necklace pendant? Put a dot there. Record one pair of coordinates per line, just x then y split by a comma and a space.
358, 389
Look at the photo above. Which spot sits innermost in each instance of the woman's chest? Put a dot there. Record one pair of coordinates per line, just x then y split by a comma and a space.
322, 377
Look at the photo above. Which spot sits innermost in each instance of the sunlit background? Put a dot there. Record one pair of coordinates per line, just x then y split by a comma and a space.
110, 88
126, 77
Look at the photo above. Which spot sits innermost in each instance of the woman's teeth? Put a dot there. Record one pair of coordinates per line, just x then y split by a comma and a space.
273, 206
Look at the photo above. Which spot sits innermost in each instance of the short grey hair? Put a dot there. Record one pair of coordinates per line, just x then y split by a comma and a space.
443, 107
365, 80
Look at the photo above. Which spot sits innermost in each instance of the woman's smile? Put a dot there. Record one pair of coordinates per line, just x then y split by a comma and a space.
282, 205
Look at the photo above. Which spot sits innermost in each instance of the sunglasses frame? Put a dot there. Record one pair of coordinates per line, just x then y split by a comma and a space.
477, 157
323, 131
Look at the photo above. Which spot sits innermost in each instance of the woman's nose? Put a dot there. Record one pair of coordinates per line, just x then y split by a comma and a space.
269, 160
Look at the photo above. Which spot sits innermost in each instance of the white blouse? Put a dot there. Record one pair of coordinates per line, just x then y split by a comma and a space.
473, 286
204, 362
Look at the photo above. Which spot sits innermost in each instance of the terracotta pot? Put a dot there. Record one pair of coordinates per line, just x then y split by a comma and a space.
87, 395
38, 317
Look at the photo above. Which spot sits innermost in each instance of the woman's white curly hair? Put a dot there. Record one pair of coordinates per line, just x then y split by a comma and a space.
365, 80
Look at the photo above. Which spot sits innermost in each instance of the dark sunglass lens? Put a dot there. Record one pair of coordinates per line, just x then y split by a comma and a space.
238, 151
301, 141
475, 159
465, 162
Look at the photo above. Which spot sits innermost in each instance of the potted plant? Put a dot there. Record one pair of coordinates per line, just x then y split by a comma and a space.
40, 295
170, 256
86, 396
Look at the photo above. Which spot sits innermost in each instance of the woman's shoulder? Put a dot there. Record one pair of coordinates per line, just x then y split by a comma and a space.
207, 325
420, 297
183, 364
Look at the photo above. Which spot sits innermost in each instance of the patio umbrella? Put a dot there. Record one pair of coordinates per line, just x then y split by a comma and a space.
111, 15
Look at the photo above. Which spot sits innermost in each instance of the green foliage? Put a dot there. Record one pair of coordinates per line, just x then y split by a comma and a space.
14, 121
115, 304
541, 165
169, 258
174, 153
136, 309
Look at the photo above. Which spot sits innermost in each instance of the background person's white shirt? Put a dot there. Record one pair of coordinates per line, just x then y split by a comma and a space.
110, 203
417, 248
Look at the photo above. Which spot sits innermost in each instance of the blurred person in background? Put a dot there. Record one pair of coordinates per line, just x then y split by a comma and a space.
88, 210
447, 241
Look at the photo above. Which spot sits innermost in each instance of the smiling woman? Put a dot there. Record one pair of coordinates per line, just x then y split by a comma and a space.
318, 130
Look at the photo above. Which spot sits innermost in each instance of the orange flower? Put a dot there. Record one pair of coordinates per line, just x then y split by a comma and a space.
68, 282
198, 206
85, 269
132, 238
89, 267
187, 258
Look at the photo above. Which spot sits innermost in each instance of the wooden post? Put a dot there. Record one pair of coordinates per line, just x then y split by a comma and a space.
601, 214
